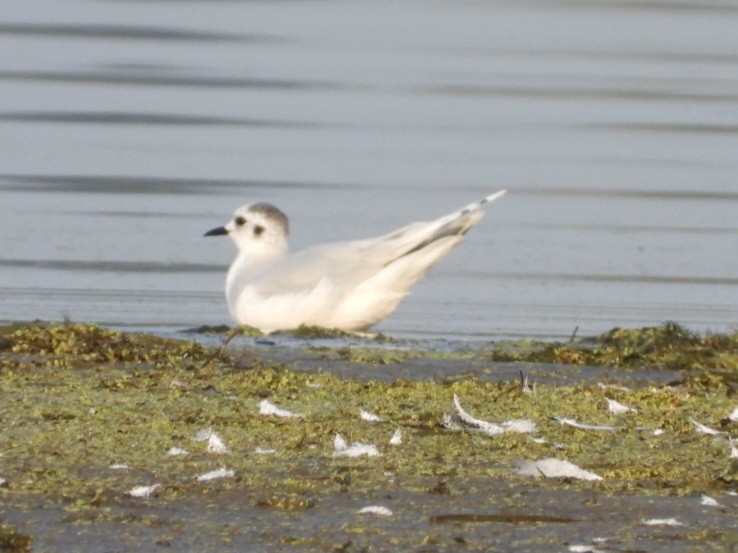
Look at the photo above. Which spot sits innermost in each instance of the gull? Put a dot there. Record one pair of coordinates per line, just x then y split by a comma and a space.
343, 285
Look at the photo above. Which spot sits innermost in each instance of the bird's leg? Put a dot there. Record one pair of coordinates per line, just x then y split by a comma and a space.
221, 349
231, 336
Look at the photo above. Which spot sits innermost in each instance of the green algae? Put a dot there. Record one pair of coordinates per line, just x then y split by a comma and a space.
307, 332
79, 399
85, 344
316, 332
312, 332
667, 347
366, 355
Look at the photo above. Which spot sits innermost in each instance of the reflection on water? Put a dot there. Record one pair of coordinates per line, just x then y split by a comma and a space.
129, 129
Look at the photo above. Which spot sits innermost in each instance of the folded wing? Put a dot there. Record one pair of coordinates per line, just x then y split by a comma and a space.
352, 285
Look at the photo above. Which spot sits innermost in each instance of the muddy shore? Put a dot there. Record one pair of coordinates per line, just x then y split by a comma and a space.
90, 418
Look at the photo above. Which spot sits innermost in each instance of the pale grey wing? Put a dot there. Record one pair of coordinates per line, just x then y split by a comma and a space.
347, 264
343, 263
416, 236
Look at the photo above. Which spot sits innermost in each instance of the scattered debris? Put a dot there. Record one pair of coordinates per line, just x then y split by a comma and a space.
520, 426
541, 441
396, 438
160, 417
602, 386
734, 415
733, 449
262, 451
525, 385
488, 428
617, 408
177, 451
266, 407
584, 549
707, 501
203, 434
492, 429
376, 510
216, 445
216, 474
371, 417
554, 468
702, 429
118, 466
143, 491
356, 449
662, 522
450, 423
339, 443
580, 426
658, 431
3, 483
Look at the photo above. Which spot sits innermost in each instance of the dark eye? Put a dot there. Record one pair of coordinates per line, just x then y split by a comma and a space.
258, 230
240, 221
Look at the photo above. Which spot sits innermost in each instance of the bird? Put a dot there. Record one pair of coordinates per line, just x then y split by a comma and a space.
348, 286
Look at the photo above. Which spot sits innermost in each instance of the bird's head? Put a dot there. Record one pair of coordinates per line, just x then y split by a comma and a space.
257, 229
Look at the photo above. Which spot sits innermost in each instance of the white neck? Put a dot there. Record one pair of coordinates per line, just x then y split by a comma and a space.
249, 263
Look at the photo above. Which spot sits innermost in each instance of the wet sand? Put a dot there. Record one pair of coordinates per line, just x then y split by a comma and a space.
487, 515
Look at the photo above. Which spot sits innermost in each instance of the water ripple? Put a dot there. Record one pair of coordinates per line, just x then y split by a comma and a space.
115, 184
149, 79
125, 32
111, 266
134, 118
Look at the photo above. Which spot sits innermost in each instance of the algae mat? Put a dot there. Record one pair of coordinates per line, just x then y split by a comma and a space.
120, 442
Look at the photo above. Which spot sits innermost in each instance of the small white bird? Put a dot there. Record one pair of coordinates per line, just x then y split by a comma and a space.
344, 285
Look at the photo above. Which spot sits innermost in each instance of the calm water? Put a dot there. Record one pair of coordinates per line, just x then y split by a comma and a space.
129, 128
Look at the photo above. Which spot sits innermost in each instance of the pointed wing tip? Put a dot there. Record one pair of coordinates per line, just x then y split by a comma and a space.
475, 206
493, 197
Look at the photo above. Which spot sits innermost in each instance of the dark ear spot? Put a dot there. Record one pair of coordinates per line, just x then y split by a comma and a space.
258, 230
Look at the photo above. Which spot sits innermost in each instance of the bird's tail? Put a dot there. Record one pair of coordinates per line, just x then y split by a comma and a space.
478, 204
417, 236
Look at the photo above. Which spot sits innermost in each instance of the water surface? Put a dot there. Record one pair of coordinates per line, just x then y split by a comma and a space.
130, 128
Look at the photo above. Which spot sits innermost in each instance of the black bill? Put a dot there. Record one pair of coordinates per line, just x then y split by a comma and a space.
220, 231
